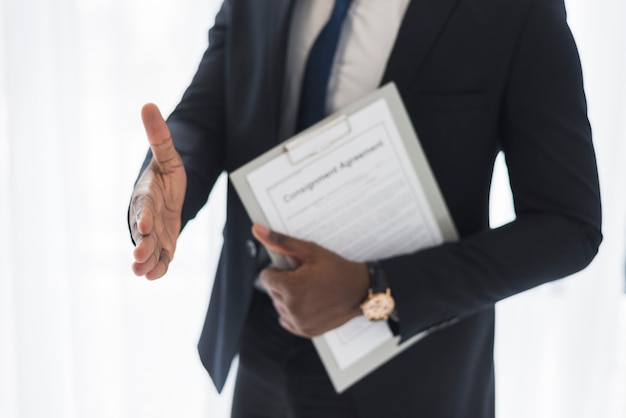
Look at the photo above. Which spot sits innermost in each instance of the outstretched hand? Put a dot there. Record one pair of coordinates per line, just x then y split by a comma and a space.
322, 293
157, 202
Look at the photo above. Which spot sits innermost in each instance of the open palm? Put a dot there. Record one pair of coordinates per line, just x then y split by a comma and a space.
157, 202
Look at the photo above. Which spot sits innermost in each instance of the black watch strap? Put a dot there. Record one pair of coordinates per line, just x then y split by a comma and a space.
378, 282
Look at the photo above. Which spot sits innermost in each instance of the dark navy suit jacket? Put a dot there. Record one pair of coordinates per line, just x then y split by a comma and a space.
477, 77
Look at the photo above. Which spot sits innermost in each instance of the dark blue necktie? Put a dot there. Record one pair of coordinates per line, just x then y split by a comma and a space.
317, 71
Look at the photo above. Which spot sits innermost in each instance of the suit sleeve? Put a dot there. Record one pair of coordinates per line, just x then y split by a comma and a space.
546, 139
198, 122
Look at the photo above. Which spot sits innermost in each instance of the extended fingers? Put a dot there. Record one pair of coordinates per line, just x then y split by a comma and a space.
141, 215
146, 246
155, 265
144, 208
161, 267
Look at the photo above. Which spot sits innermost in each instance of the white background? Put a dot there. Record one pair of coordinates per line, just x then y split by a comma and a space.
80, 336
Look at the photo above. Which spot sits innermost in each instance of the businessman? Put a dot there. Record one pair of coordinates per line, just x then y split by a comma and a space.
477, 77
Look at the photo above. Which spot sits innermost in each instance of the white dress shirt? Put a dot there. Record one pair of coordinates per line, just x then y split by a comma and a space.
365, 43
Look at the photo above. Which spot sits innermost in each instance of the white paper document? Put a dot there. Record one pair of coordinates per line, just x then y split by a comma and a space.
357, 184
360, 198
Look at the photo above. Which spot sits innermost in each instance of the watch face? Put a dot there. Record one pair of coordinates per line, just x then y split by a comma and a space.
379, 306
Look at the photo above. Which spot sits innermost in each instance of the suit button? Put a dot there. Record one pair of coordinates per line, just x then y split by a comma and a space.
251, 247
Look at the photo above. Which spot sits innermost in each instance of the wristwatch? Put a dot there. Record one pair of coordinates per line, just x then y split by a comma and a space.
379, 303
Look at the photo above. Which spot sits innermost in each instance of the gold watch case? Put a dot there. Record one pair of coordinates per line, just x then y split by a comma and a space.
378, 306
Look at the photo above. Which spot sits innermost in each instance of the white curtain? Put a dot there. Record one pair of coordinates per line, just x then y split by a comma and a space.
80, 336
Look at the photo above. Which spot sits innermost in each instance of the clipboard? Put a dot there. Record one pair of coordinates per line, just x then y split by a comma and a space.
319, 141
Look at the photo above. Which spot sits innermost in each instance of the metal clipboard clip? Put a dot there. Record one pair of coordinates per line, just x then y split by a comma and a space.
317, 140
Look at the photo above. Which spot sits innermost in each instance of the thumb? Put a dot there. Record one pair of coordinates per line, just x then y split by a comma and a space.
159, 137
292, 247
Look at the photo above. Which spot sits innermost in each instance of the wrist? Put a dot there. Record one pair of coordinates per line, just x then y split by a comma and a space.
379, 303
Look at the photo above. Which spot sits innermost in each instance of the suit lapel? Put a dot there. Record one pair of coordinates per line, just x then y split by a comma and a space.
423, 21
278, 35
